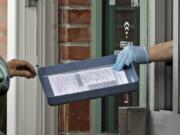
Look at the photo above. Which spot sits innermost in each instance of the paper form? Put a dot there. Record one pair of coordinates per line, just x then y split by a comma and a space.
69, 83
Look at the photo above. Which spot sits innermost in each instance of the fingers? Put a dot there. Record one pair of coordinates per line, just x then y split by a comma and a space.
123, 58
118, 59
24, 65
23, 73
21, 68
128, 61
121, 64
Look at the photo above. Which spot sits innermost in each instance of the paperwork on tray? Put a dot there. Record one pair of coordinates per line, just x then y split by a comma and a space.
85, 80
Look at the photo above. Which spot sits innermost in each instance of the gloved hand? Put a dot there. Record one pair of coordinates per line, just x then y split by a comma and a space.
130, 54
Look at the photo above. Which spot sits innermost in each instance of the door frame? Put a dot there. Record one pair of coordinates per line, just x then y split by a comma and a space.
95, 105
143, 42
96, 116
11, 53
176, 57
168, 121
28, 39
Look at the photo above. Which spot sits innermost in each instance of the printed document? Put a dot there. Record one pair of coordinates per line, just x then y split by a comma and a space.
86, 80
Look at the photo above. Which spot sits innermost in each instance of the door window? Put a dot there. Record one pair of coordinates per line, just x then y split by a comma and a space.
163, 70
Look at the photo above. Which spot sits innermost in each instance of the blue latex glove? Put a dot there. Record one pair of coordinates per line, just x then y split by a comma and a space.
130, 54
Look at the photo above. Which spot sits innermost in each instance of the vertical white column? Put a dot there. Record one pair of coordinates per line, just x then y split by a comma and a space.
151, 41
176, 57
12, 40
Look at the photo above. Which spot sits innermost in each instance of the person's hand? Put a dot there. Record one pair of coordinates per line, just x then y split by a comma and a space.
130, 54
21, 68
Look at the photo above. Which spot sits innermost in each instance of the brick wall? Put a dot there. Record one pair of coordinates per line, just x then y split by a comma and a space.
3, 53
74, 44
3, 28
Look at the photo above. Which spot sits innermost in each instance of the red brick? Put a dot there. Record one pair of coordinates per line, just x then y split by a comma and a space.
75, 52
63, 118
75, 16
79, 116
3, 2
3, 26
3, 50
3, 14
75, 117
3, 11
62, 34
74, 34
3, 40
74, 2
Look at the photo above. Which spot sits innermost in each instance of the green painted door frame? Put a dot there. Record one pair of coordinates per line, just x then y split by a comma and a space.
110, 39
96, 105
96, 110
143, 42
109, 102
